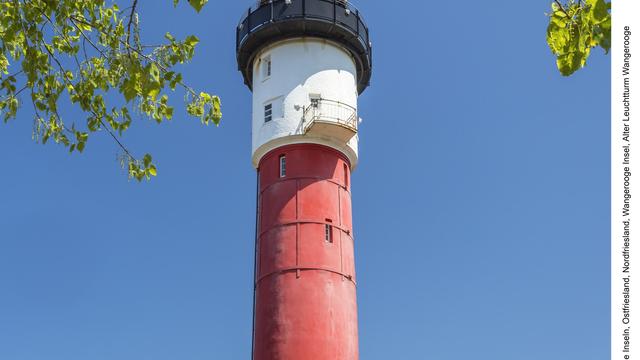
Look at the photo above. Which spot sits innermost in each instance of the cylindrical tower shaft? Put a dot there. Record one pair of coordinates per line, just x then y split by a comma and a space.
305, 279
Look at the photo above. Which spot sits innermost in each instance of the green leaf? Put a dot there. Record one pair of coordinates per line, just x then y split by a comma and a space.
4, 64
570, 62
154, 84
147, 160
128, 89
197, 4
599, 10
154, 73
191, 41
175, 81
217, 113
604, 35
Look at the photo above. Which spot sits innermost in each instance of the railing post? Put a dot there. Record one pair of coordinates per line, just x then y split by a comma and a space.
358, 22
334, 11
249, 21
304, 8
271, 3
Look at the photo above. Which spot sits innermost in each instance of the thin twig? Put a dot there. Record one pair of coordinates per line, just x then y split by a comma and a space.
14, 74
116, 139
562, 8
89, 40
133, 11
9, 96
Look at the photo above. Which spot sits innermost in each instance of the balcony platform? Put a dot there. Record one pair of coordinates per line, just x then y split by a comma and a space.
331, 119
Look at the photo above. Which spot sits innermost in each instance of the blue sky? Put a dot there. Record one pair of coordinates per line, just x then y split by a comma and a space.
481, 204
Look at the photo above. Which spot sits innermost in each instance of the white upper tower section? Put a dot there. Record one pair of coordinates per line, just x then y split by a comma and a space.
297, 84
306, 62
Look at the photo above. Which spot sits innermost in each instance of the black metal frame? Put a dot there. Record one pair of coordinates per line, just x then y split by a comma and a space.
328, 19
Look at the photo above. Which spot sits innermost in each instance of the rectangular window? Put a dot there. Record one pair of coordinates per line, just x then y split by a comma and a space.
346, 175
268, 112
328, 233
266, 67
283, 166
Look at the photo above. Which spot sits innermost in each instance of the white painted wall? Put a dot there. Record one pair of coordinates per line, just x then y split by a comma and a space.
300, 67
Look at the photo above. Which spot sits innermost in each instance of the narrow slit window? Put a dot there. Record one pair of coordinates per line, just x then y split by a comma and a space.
268, 112
328, 233
283, 166
266, 67
346, 175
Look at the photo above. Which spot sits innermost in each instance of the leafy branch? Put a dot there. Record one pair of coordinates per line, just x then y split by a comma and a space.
575, 28
43, 38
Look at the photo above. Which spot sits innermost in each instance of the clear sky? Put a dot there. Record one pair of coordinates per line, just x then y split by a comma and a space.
481, 204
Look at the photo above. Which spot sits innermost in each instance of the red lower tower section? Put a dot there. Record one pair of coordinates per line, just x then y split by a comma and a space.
305, 307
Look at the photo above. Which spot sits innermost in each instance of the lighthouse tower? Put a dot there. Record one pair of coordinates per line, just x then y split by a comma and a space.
306, 62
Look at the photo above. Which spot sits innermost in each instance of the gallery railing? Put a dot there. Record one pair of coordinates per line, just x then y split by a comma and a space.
338, 12
330, 112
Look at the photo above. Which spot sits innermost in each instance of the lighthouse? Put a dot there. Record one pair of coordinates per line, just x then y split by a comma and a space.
306, 62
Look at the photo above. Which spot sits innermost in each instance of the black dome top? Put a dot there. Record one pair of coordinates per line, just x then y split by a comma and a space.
275, 20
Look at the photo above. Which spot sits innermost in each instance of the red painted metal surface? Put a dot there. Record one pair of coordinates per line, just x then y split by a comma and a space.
305, 307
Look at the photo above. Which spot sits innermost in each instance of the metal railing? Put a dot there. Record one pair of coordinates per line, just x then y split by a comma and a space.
332, 112
339, 12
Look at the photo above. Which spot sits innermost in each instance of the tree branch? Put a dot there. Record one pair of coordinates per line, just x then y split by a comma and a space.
52, 56
56, 30
91, 110
146, 57
133, 11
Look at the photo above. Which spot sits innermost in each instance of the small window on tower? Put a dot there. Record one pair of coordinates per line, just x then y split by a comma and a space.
346, 175
328, 233
283, 166
266, 67
268, 112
